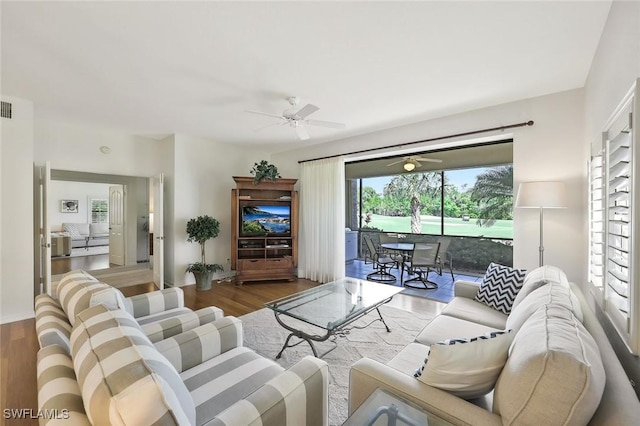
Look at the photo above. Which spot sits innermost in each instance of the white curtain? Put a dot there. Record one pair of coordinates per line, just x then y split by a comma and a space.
322, 219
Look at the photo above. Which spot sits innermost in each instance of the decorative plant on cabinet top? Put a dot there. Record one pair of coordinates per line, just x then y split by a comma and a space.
200, 230
264, 171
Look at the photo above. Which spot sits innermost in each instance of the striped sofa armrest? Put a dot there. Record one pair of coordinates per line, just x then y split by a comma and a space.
59, 396
145, 304
297, 396
52, 324
191, 348
169, 327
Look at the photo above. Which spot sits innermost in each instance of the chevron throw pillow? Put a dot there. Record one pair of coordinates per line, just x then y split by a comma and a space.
500, 287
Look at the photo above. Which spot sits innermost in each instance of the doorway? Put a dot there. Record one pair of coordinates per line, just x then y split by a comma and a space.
123, 243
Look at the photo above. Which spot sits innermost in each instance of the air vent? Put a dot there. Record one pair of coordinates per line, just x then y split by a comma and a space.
6, 110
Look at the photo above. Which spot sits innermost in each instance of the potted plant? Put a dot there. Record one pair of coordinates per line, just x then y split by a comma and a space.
264, 171
200, 230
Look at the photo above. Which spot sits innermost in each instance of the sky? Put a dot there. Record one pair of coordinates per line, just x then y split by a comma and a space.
456, 177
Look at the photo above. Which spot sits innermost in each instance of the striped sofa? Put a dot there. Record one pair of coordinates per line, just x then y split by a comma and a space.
161, 314
115, 375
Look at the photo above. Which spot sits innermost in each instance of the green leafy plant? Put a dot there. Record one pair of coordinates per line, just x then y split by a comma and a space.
264, 171
200, 230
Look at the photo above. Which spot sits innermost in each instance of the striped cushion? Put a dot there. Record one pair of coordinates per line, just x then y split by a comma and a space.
192, 348
169, 327
76, 296
123, 378
58, 390
222, 381
52, 325
146, 304
299, 396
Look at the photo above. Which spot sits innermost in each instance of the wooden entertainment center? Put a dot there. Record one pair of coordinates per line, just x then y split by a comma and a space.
264, 249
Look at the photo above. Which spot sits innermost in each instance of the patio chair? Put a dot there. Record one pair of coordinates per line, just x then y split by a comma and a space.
392, 237
424, 259
381, 263
445, 257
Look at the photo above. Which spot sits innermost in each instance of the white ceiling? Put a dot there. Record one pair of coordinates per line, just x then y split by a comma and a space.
154, 68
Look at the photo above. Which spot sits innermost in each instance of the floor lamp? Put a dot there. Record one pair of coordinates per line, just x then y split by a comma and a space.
541, 195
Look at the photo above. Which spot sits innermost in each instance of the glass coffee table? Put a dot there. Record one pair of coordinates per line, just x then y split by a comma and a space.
330, 307
382, 408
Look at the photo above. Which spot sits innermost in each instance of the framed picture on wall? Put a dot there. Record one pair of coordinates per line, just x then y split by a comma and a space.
68, 206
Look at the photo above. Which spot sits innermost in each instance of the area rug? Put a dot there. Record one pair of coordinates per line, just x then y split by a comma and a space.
265, 336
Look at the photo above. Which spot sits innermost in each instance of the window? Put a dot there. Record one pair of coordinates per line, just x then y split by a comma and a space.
99, 210
473, 202
613, 216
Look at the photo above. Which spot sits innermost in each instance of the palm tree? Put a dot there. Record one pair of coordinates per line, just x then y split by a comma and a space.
410, 186
493, 191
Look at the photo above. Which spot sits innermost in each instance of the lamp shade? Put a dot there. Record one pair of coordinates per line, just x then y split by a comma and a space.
548, 195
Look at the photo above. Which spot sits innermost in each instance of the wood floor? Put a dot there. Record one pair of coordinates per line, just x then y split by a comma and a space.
19, 345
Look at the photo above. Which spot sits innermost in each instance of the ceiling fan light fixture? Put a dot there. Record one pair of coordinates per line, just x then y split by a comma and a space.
409, 166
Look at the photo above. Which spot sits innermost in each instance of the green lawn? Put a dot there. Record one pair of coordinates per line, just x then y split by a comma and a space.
452, 226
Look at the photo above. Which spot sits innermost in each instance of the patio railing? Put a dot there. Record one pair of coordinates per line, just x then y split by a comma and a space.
470, 255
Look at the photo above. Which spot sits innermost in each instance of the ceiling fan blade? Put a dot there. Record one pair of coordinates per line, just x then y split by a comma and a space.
306, 110
396, 162
302, 133
265, 113
429, 160
326, 124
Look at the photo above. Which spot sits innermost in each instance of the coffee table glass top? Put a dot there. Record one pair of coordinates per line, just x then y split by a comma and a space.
382, 408
333, 304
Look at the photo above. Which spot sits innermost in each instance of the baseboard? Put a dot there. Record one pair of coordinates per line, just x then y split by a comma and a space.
17, 317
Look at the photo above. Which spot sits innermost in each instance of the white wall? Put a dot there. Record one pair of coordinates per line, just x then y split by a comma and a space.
81, 191
16, 207
552, 149
203, 174
76, 146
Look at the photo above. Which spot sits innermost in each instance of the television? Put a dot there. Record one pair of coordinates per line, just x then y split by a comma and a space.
266, 220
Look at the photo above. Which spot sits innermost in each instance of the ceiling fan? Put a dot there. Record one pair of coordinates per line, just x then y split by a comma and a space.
298, 118
410, 163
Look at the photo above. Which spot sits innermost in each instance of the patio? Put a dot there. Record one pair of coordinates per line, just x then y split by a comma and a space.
444, 293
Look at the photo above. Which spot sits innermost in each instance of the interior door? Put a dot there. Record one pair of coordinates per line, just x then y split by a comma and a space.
156, 226
42, 283
116, 225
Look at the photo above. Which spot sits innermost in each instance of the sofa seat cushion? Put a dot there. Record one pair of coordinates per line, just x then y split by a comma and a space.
170, 313
124, 380
470, 310
550, 293
444, 327
405, 361
537, 278
554, 374
220, 382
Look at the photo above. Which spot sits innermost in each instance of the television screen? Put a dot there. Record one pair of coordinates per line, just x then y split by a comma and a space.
269, 220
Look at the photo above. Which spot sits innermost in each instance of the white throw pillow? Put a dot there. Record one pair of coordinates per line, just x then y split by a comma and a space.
468, 368
500, 287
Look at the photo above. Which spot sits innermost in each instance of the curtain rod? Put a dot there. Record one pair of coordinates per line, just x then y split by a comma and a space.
400, 145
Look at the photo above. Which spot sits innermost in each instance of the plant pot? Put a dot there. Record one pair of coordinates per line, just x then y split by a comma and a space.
203, 280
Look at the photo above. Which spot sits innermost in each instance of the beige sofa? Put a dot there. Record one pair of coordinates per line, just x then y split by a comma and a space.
87, 234
105, 359
560, 367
